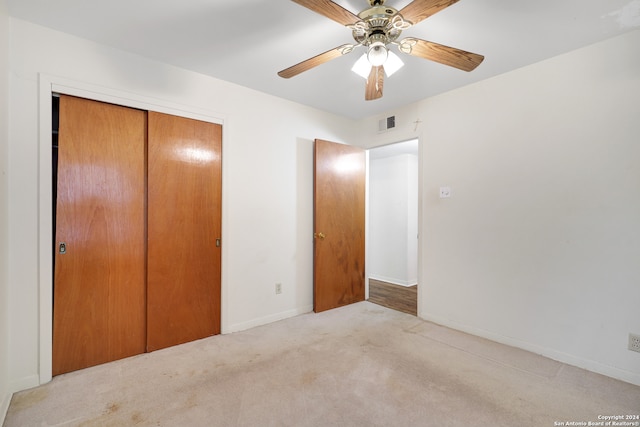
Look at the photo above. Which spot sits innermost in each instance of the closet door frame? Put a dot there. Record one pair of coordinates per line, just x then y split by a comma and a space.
48, 87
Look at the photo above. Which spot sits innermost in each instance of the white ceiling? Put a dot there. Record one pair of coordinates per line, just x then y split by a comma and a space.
248, 41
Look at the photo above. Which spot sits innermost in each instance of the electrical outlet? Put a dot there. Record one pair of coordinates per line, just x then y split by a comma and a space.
278, 288
634, 342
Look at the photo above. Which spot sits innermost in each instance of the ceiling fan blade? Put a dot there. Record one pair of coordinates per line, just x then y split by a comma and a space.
375, 81
446, 55
331, 10
315, 61
418, 10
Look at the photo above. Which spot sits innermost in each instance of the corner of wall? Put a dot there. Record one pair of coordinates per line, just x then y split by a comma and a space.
5, 395
4, 406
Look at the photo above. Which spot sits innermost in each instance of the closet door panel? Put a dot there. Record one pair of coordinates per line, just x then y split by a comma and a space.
99, 281
184, 221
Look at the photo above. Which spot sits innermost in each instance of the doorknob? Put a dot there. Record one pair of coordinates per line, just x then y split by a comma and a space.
319, 235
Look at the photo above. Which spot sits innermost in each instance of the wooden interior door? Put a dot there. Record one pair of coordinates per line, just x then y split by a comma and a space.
339, 212
99, 282
184, 222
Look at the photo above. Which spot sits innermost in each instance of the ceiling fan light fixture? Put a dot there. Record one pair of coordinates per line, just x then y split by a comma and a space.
362, 67
375, 29
393, 64
377, 54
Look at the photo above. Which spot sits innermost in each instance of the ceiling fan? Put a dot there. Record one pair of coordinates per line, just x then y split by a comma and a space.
378, 27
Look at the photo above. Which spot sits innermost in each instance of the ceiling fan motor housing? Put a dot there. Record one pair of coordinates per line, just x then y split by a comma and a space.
376, 25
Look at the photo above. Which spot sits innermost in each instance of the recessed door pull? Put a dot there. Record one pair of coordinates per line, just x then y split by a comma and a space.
62, 248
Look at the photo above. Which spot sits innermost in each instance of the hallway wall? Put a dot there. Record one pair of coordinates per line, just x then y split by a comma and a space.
393, 219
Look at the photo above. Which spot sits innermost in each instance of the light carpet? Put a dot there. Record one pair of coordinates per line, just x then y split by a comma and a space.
360, 365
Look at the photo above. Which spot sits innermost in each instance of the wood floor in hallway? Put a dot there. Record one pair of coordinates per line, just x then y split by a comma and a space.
401, 298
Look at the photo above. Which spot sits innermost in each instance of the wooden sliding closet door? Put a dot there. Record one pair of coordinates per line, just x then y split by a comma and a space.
99, 283
184, 221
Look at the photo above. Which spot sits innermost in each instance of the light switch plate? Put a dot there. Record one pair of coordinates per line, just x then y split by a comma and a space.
445, 192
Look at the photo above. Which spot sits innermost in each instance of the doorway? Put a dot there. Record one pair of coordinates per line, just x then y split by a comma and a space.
393, 226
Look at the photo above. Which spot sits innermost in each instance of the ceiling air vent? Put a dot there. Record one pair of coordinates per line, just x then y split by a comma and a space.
386, 124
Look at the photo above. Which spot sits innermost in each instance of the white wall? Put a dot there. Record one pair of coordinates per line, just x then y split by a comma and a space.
393, 219
4, 135
538, 246
413, 179
267, 180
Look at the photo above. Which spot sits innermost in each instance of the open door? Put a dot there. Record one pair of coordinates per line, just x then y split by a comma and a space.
339, 212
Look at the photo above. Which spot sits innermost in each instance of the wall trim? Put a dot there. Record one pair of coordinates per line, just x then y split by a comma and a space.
47, 85
589, 365
24, 383
4, 406
394, 281
270, 319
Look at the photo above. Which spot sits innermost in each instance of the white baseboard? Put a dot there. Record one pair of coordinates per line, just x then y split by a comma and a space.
589, 365
394, 281
4, 406
14, 387
237, 327
24, 383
